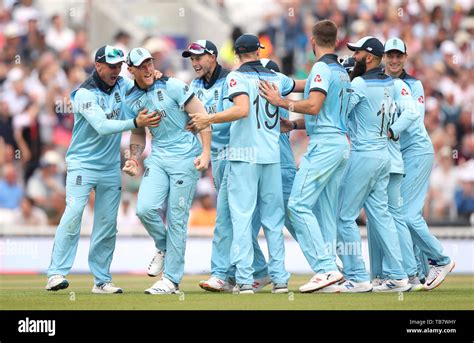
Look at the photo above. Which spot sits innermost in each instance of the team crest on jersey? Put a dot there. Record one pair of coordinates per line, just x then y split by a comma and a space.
159, 94
232, 83
102, 103
200, 94
138, 103
404, 91
216, 95
421, 99
317, 78
117, 98
186, 89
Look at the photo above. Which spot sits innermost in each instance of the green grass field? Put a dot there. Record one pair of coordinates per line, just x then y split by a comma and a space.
26, 292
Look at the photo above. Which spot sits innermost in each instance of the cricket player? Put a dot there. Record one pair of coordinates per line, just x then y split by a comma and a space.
254, 173
316, 183
172, 169
93, 162
418, 155
372, 109
210, 88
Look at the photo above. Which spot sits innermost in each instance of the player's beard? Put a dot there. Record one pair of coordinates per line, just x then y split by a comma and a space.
359, 68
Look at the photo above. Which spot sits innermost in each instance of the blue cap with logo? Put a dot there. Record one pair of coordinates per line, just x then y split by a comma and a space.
247, 43
109, 54
137, 56
369, 44
395, 44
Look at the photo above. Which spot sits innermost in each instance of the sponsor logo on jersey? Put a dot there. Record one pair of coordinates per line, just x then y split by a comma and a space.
114, 114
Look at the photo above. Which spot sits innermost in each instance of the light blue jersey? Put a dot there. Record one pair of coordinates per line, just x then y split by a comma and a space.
255, 138
327, 73
415, 140
406, 114
213, 96
98, 114
167, 96
372, 108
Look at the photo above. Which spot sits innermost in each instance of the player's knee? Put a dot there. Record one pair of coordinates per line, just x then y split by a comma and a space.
144, 210
294, 208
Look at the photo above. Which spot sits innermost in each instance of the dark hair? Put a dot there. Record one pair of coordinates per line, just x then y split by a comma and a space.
325, 33
236, 33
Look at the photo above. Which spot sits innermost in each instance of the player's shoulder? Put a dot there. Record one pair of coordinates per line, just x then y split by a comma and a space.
328, 63
407, 77
90, 84
223, 74
401, 87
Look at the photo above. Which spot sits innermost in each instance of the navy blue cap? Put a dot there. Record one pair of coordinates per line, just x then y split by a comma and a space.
247, 43
369, 44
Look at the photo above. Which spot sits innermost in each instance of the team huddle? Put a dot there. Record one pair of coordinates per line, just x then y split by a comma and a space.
368, 148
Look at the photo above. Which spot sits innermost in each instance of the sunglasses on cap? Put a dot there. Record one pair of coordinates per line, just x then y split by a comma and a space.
197, 48
111, 54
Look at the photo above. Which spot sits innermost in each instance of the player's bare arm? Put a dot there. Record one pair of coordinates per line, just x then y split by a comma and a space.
299, 86
236, 112
287, 125
196, 108
137, 146
312, 105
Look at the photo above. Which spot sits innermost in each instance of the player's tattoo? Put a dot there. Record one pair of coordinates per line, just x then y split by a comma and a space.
136, 150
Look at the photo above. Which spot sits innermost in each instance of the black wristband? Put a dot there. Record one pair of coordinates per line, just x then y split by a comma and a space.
393, 138
295, 125
135, 122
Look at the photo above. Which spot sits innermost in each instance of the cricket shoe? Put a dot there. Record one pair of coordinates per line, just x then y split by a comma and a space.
56, 282
377, 282
279, 288
215, 284
437, 275
319, 281
156, 265
259, 284
243, 289
163, 286
106, 288
334, 288
389, 285
415, 284
355, 287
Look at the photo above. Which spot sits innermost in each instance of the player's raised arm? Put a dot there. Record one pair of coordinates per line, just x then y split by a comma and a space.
86, 104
